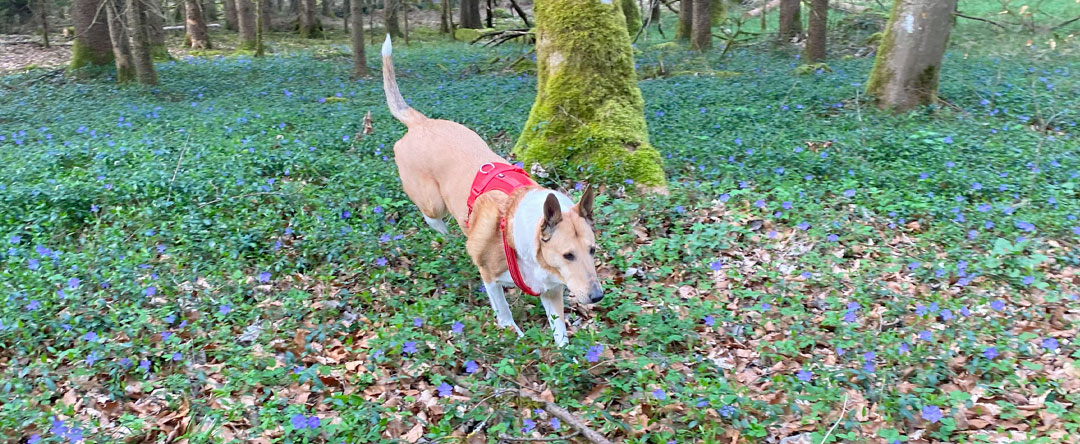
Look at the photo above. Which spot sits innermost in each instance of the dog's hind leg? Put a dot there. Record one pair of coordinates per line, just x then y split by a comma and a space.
502, 309
553, 306
436, 224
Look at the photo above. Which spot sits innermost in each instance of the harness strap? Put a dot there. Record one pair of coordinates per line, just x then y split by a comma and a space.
506, 178
511, 261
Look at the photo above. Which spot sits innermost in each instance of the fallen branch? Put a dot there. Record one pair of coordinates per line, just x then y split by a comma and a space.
1065, 23
841, 418
566, 417
980, 19
523, 439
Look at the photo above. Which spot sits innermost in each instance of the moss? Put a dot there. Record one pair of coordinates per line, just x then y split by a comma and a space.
160, 53
632, 13
880, 74
589, 111
468, 35
248, 45
335, 99
926, 85
82, 56
874, 38
812, 68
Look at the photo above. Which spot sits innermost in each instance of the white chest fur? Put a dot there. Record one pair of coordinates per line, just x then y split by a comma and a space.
526, 222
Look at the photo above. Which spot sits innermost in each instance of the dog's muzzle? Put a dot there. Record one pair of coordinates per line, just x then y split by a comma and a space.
595, 293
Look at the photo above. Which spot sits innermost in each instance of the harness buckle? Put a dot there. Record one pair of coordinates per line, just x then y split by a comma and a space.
489, 164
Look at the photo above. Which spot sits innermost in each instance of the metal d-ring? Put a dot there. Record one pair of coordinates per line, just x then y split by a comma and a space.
492, 165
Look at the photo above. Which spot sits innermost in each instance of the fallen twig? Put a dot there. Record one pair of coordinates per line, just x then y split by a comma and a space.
841, 418
524, 439
1065, 23
566, 417
980, 19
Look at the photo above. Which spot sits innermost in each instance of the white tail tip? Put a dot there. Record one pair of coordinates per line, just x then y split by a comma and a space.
387, 48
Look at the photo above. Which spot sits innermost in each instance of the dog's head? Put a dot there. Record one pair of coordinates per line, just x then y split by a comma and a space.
567, 246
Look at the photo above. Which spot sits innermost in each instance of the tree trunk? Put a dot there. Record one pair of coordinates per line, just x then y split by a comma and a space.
347, 13
140, 44
588, 111
908, 62
790, 20
326, 7
816, 30
92, 44
356, 34
306, 18
121, 48
197, 37
489, 14
390, 18
260, 28
264, 16
470, 14
520, 13
701, 32
231, 20
632, 13
247, 22
42, 13
155, 29
444, 17
404, 5
686, 20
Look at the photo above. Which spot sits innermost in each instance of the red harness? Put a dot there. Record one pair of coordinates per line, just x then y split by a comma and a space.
506, 178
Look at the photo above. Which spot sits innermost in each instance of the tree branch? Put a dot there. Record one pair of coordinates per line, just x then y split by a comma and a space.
523, 439
979, 19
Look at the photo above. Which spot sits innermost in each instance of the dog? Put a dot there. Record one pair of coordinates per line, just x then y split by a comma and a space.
517, 233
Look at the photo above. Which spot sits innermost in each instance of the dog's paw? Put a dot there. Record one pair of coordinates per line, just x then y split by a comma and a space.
437, 225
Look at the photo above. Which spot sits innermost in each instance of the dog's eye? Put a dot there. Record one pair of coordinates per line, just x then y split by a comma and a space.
568, 256
592, 251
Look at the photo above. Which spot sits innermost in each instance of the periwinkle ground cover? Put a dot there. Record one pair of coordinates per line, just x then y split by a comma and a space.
226, 246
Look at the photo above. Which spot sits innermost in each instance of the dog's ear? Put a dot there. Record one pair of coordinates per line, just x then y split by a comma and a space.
552, 217
585, 205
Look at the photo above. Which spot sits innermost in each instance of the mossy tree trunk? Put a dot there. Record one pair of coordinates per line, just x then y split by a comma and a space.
260, 29
588, 111
43, 20
155, 29
307, 22
790, 20
470, 14
908, 62
264, 15
246, 21
231, 19
356, 35
140, 43
121, 48
92, 45
390, 18
816, 30
701, 32
444, 18
686, 20
210, 10
197, 35
633, 16
327, 5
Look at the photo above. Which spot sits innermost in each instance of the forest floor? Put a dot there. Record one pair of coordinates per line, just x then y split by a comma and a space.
226, 257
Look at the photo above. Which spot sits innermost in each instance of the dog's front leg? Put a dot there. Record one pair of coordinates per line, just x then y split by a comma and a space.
502, 309
553, 306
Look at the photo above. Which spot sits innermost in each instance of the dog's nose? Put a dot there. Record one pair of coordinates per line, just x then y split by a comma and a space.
595, 293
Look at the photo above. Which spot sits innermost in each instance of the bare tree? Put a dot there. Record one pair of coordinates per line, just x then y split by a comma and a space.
155, 28
197, 36
790, 20
390, 18
92, 44
701, 32
470, 14
260, 30
356, 34
42, 12
231, 20
264, 14
908, 63
246, 21
327, 5
686, 19
308, 23
816, 30
125, 71
444, 17
140, 44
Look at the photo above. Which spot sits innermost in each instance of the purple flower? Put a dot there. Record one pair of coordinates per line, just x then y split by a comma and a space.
947, 315
165, 336
849, 317
998, 305
806, 275
804, 375
868, 367
832, 237
409, 347
32, 264
15, 239
90, 336
298, 421
264, 277
849, 193
528, 424
177, 356
594, 353
378, 209
920, 309
346, 214
150, 291
913, 265
34, 439
659, 394
145, 365
725, 197
313, 422
417, 322
380, 261
926, 335
904, 348
709, 321
786, 205
772, 234
32, 305
457, 327
947, 139
445, 390
224, 309
759, 203
1028, 280
716, 265
727, 411
73, 283
1050, 344
931, 413
555, 424
471, 366
990, 353
702, 402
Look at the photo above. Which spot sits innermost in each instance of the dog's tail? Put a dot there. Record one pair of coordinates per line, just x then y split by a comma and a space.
398, 107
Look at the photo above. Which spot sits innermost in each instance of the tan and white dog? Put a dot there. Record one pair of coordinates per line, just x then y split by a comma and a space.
443, 166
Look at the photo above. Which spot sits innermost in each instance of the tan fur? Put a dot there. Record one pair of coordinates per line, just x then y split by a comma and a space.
437, 161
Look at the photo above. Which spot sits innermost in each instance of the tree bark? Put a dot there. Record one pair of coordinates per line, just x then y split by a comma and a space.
404, 5
92, 44
121, 48
210, 12
140, 44
489, 14
816, 30
197, 36
790, 20
908, 62
155, 29
701, 32
356, 34
43, 20
390, 18
686, 19
520, 12
247, 23
632, 13
264, 15
231, 20
470, 14
260, 28
327, 6
444, 17
307, 19
588, 111
347, 9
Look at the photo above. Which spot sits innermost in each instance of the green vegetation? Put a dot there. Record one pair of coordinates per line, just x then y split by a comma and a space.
222, 257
